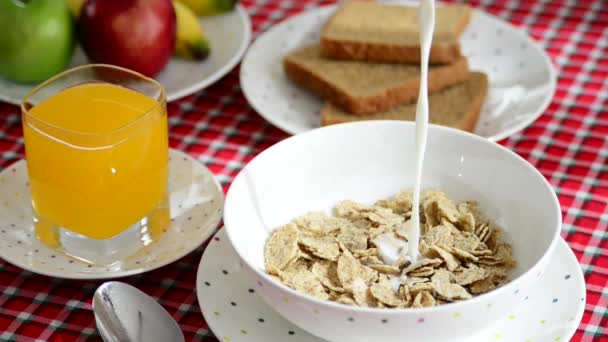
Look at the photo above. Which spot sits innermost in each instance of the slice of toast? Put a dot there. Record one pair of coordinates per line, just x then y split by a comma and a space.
367, 30
457, 106
362, 88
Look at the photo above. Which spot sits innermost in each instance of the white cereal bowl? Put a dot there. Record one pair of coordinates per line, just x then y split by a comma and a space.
367, 161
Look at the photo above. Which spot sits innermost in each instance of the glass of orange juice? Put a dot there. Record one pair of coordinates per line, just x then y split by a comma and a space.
97, 155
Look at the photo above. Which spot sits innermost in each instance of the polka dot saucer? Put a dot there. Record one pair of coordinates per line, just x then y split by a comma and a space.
551, 312
522, 78
196, 200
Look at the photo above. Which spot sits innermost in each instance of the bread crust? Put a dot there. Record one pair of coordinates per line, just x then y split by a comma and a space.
467, 124
476, 105
440, 77
390, 53
441, 53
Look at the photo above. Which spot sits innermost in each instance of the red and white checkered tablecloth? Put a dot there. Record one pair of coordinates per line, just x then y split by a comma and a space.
568, 144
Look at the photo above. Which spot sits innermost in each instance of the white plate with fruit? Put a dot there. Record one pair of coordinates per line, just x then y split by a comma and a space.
186, 51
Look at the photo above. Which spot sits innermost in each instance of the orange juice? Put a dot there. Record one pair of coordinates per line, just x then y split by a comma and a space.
97, 157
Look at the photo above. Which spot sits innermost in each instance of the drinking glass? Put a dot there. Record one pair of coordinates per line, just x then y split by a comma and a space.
97, 155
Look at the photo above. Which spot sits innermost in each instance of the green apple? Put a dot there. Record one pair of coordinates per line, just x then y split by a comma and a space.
36, 40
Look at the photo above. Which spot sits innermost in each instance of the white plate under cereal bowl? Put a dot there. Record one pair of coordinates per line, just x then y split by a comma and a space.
371, 160
551, 311
522, 78
229, 35
196, 200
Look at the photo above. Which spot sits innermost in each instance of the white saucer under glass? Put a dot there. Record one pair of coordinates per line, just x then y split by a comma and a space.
195, 197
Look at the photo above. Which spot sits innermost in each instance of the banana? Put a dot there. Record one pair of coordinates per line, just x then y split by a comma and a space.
210, 7
190, 40
75, 7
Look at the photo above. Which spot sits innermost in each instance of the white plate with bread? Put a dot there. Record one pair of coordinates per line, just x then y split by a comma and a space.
360, 62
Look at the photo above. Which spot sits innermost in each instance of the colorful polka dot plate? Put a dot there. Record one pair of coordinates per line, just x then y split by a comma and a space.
196, 201
549, 313
522, 78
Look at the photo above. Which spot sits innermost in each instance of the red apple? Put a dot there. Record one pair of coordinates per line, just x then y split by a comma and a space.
135, 34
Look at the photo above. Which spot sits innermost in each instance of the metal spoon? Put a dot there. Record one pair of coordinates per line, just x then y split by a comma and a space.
125, 314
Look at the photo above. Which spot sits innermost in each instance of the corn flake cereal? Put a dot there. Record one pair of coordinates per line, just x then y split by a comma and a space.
282, 248
336, 258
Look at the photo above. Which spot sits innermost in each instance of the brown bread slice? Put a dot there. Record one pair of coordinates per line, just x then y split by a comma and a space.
366, 30
362, 88
457, 106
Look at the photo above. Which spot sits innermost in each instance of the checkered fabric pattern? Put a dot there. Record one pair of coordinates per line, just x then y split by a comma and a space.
568, 144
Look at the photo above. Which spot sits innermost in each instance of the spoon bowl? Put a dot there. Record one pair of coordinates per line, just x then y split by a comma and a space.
124, 313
